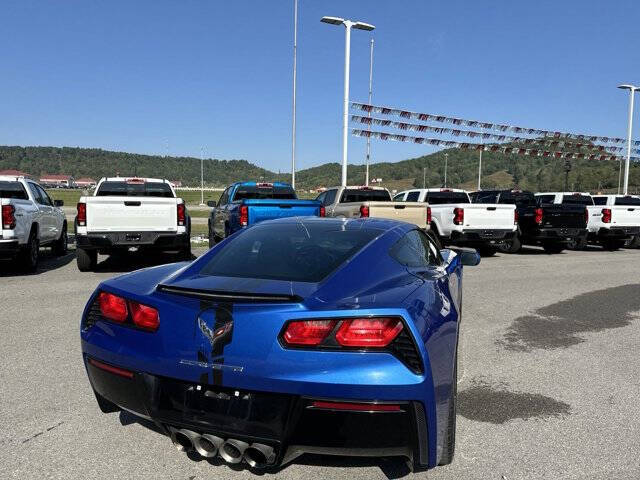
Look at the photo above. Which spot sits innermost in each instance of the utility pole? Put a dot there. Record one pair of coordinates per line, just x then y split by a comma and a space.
567, 169
293, 122
446, 161
201, 175
632, 89
480, 169
366, 181
424, 177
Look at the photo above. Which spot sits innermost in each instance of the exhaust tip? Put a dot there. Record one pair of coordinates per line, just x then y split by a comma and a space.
259, 455
183, 439
232, 450
208, 445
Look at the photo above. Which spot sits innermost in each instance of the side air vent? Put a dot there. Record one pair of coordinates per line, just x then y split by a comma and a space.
405, 349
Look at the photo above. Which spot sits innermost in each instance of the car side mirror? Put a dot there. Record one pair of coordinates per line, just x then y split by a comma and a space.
466, 257
469, 258
58, 203
212, 203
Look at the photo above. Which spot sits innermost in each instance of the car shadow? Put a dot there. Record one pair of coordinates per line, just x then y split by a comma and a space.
129, 261
391, 467
47, 261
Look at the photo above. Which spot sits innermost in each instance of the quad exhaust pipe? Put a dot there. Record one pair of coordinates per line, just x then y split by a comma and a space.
231, 450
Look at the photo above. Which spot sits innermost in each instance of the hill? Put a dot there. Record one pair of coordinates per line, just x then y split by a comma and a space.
499, 170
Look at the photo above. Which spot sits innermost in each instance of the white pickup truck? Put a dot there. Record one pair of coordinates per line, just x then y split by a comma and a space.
30, 220
127, 213
455, 220
360, 201
609, 225
632, 203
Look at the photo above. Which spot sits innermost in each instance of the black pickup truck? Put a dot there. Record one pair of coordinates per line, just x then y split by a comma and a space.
553, 227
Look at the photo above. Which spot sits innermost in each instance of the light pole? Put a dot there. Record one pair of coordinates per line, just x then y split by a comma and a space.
348, 24
632, 89
366, 182
293, 122
446, 161
201, 175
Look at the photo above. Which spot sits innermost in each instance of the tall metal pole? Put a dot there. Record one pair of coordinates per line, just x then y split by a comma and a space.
480, 169
626, 165
345, 116
293, 122
424, 177
201, 175
619, 174
446, 161
366, 182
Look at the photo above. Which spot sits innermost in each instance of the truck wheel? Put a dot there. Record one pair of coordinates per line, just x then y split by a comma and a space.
60, 247
612, 244
185, 253
579, 243
86, 259
553, 247
511, 246
634, 242
28, 257
487, 251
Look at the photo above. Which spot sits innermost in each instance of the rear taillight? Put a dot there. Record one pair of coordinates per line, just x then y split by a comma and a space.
307, 332
538, 216
355, 407
586, 215
606, 215
111, 369
458, 216
120, 310
364, 211
368, 332
8, 217
144, 316
515, 217
182, 215
82, 214
322, 212
244, 215
428, 215
113, 307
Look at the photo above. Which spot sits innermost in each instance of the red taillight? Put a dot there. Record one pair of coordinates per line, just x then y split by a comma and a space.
244, 215
428, 215
323, 212
8, 217
586, 215
308, 332
182, 215
356, 407
364, 211
110, 368
539, 214
515, 217
458, 216
82, 214
113, 307
144, 316
368, 332
606, 215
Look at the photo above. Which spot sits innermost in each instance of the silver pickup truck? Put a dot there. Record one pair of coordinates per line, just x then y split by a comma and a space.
360, 201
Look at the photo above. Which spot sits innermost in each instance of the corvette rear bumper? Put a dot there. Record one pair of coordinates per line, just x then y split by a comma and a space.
290, 424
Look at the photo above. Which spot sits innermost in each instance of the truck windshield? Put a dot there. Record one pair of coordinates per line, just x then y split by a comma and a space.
365, 195
129, 189
635, 201
13, 190
577, 200
439, 198
291, 251
269, 192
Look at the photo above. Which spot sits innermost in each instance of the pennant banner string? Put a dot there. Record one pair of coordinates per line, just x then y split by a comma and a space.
489, 126
487, 148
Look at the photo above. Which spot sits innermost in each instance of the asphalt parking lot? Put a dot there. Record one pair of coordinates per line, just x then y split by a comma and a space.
549, 385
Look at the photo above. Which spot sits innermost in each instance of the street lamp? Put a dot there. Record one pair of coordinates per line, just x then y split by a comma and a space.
348, 24
632, 89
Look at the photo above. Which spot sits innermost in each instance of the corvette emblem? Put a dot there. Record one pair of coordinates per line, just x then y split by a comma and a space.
216, 335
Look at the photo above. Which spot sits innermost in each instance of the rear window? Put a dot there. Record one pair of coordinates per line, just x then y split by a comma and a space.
13, 190
484, 197
577, 200
261, 193
291, 252
129, 189
521, 199
364, 195
635, 201
438, 198
600, 200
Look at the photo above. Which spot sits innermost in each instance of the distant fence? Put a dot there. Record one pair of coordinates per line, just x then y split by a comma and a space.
206, 189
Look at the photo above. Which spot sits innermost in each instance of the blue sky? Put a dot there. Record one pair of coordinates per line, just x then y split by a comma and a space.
134, 76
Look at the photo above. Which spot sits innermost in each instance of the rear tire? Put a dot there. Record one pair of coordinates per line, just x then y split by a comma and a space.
86, 259
28, 257
449, 446
511, 246
612, 245
60, 247
487, 251
553, 248
634, 242
579, 243
185, 253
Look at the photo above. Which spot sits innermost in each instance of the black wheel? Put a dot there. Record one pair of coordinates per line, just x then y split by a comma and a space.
612, 244
86, 259
487, 251
553, 247
578, 243
185, 253
634, 242
511, 246
60, 247
449, 447
28, 257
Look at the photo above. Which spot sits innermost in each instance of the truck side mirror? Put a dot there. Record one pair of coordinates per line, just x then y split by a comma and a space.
212, 203
58, 203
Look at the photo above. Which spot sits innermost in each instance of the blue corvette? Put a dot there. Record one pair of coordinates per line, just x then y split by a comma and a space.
296, 335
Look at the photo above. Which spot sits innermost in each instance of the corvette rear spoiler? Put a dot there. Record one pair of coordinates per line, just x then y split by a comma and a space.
233, 297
